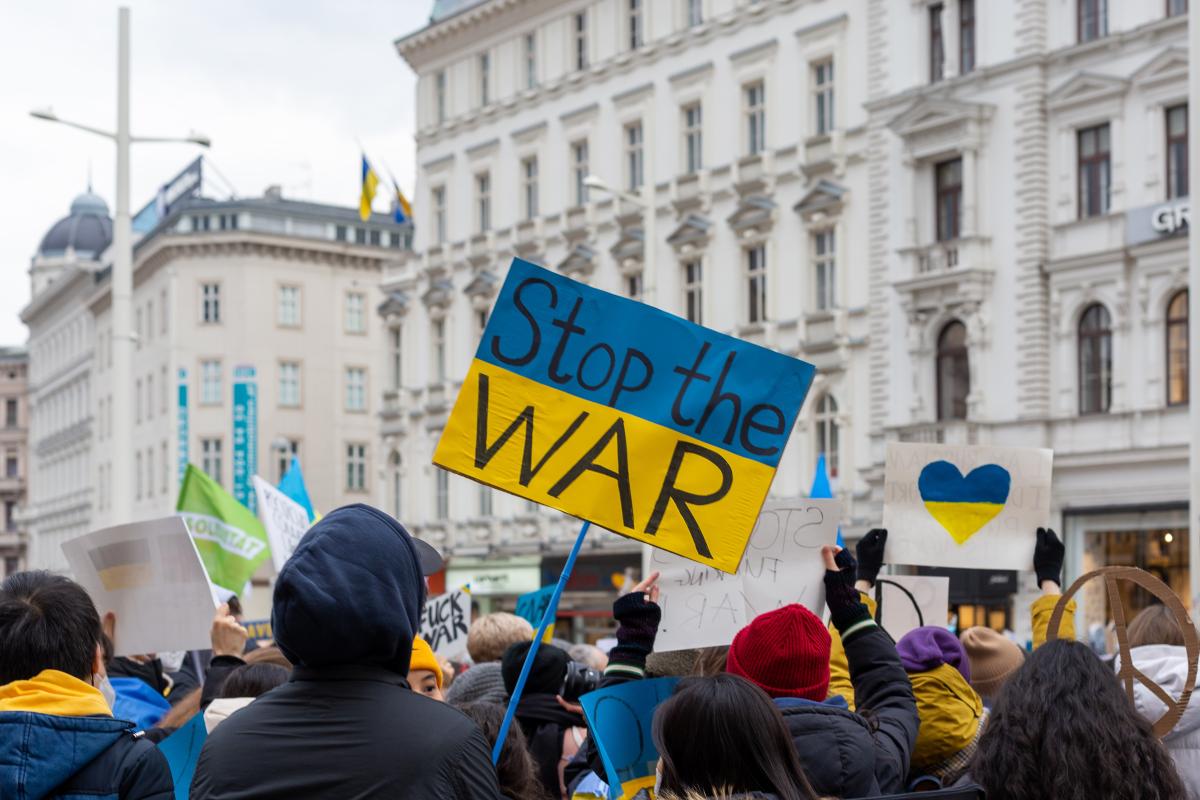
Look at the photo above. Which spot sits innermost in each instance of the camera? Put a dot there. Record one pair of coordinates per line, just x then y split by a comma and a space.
580, 680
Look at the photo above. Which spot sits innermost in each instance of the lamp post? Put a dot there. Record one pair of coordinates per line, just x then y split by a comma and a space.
121, 499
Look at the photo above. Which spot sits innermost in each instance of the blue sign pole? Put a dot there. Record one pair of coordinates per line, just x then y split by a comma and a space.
182, 425
245, 434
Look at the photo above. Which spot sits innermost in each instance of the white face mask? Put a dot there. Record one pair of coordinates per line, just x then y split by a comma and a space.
658, 778
173, 661
106, 689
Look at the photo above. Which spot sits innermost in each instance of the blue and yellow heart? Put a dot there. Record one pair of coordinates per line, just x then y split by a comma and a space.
963, 505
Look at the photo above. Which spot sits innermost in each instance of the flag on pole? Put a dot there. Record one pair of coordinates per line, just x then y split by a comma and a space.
370, 182
292, 485
403, 211
230, 539
822, 490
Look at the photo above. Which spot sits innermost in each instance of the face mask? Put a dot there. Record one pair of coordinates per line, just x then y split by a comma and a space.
106, 689
658, 778
173, 661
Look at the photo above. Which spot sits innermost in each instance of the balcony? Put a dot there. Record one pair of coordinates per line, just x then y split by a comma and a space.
956, 432
946, 272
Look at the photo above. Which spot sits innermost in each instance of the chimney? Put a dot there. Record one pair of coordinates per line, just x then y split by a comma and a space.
273, 192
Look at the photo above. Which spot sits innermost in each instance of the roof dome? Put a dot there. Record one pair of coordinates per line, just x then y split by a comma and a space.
87, 230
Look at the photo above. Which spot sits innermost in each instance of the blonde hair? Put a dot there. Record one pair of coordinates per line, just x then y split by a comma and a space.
492, 634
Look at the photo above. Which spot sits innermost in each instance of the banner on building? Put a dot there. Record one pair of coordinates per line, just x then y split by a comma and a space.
230, 539
182, 424
245, 434
621, 414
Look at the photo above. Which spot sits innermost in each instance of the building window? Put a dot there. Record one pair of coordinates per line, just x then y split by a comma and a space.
636, 18
289, 384
210, 303
164, 390
439, 213
693, 291
210, 459
827, 433
166, 470
633, 156
481, 321
396, 357
289, 306
439, 95
137, 475
375, 237
442, 493
948, 185
825, 268
1093, 19
485, 500
1177, 151
149, 472
485, 78
1095, 360
822, 73
953, 372
356, 389
10, 412
360, 235
754, 97
10, 515
695, 12
10, 464
150, 396
529, 187
210, 382
137, 400
966, 36
756, 284
579, 170
531, 73
1176, 7
633, 286
283, 462
395, 462
937, 44
483, 202
693, 139
438, 329
1094, 175
164, 311
356, 467
1177, 349
356, 319
581, 45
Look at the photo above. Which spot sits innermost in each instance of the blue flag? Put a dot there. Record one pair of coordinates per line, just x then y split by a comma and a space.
182, 751
293, 486
821, 489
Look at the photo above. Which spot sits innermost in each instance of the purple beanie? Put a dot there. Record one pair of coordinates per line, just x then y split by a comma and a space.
923, 649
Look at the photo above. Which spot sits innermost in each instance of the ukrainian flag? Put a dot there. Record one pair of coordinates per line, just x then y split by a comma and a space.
403, 211
370, 182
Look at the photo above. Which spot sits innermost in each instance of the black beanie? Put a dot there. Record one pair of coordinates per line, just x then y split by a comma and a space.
546, 676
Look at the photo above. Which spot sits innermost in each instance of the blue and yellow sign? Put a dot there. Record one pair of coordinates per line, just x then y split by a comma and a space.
618, 413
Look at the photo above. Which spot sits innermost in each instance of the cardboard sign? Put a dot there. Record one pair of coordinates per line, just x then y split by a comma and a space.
182, 751
285, 521
973, 507
619, 718
703, 607
623, 415
905, 602
445, 621
532, 607
150, 575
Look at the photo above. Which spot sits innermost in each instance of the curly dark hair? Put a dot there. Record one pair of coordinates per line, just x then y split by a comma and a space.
516, 770
1063, 727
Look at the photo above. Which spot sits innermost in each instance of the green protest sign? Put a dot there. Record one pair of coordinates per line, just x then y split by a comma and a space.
230, 539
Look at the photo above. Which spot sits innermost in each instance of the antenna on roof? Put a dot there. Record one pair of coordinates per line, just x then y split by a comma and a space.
89, 185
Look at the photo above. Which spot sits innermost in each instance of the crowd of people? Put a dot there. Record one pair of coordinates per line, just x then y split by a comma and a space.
348, 701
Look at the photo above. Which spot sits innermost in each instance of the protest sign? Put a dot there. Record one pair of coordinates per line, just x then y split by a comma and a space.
150, 576
228, 536
619, 719
284, 519
905, 602
444, 623
974, 507
182, 751
259, 630
703, 607
624, 415
532, 607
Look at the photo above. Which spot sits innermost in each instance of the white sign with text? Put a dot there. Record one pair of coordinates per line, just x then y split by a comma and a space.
284, 519
905, 602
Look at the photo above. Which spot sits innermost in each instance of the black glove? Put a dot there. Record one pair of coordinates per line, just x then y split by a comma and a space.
846, 607
1048, 556
870, 554
637, 625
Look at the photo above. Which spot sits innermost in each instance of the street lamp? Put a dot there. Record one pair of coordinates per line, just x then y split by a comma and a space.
122, 273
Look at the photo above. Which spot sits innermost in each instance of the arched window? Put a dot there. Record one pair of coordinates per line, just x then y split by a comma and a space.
1177, 349
953, 372
1095, 360
827, 432
396, 488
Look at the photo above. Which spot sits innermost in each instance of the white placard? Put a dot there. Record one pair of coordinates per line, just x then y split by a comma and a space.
919, 600
284, 519
704, 607
150, 576
973, 507
445, 621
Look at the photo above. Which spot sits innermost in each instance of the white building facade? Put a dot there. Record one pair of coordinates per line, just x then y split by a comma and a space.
745, 118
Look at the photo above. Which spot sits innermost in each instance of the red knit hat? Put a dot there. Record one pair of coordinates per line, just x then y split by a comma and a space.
784, 652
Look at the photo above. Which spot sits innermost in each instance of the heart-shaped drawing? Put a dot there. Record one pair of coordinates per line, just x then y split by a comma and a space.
963, 505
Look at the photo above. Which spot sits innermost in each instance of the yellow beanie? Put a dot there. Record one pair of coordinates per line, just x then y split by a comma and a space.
423, 658
949, 710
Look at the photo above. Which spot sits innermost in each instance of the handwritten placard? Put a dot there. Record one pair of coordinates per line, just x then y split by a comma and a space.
703, 607
973, 507
905, 602
445, 621
621, 414
532, 606
620, 719
285, 521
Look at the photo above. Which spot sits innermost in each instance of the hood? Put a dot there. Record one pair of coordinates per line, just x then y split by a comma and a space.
220, 709
835, 748
351, 593
1167, 666
51, 726
950, 711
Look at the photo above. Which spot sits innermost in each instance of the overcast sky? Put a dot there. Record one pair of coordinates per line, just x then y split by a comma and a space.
284, 88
